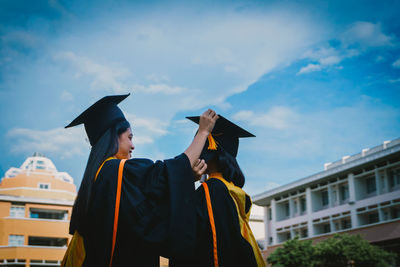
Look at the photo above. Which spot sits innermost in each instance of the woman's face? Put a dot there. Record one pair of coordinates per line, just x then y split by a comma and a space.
125, 146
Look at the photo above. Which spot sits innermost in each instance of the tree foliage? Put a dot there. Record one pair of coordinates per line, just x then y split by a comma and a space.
341, 250
295, 253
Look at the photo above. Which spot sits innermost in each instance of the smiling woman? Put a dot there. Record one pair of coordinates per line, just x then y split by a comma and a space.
125, 145
131, 211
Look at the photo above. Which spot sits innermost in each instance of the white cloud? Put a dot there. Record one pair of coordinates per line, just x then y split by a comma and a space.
325, 56
73, 141
210, 57
145, 130
320, 53
277, 117
396, 64
310, 68
66, 143
243, 115
355, 40
330, 60
365, 34
60, 141
158, 88
312, 134
104, 77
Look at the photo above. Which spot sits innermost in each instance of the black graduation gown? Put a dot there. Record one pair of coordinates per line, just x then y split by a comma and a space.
233, 249
156, 202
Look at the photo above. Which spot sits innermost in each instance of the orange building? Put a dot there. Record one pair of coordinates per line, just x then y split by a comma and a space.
35, 208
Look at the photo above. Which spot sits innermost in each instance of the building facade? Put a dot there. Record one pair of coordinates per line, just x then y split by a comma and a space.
358, 194
35, 207
256, 222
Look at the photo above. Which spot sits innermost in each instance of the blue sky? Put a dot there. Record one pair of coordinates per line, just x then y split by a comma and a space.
313, 80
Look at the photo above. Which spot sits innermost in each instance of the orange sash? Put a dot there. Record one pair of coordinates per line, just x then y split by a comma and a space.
211, 216
117, 201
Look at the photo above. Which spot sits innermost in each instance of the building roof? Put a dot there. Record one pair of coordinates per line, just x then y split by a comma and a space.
38, 178
39, 162
346, 164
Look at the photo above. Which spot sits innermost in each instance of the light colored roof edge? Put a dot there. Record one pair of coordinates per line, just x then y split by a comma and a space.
320, 175
36, 200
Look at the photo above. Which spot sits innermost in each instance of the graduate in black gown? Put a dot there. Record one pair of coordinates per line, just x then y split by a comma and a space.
156, 197
223, 236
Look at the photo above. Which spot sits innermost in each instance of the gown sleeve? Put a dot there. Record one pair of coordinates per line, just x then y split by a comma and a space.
156, 209
165, 214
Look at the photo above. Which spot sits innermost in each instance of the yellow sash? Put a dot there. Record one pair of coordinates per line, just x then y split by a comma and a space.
75, 254
239, 198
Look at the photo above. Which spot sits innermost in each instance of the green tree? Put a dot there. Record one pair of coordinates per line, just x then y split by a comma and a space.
340, 249
337, 251
295, 253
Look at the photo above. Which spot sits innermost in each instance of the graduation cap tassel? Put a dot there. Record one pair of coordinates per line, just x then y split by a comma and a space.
212, 145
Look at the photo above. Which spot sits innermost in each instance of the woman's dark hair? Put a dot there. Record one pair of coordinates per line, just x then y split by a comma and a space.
105, 147
229, 167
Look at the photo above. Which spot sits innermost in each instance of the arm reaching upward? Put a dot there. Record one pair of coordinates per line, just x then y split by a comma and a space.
206, 125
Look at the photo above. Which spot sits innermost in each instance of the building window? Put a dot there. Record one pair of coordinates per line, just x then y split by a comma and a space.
15, 240
288, 236
295, 206
296, 233
30, 164
346, 223
326, 228
344, 193
325, 198
370, 185
334, 197
373, 217
47, 241
395, 212
44, 186
394, 179
17, 211
303, 206
304, 232
269, 214
385, 214
270, 240
287, 210
336, 226
48, 214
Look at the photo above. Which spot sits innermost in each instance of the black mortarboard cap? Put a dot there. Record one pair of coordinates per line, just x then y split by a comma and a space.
226, 135
100, 116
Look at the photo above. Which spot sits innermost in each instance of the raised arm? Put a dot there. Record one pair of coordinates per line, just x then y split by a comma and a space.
206, 124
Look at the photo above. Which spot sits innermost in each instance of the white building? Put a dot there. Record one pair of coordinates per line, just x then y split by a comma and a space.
256, 223
357, 194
